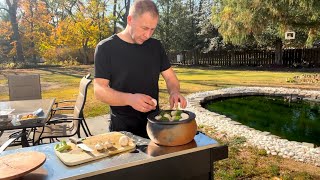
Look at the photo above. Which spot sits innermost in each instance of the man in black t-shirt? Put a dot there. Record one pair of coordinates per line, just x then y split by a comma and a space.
127, 69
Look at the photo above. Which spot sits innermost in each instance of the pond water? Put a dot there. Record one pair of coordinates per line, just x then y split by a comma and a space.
295, 121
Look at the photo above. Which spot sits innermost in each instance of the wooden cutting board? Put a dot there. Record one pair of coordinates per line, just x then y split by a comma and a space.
77, 156
19, 164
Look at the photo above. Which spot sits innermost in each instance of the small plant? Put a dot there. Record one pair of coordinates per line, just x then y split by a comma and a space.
237, 141
274, 170
262, 152
290, 80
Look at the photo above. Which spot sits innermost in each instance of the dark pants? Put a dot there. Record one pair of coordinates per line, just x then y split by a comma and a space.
134, 124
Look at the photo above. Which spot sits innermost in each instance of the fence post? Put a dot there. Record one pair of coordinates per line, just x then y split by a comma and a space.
233, 58
278, 52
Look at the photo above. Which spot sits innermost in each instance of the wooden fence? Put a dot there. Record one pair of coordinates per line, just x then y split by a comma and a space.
290, 57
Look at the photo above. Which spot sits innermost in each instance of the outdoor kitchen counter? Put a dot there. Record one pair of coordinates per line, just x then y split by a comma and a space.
149, 161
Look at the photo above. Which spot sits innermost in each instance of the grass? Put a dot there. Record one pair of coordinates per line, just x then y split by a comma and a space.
62, 82
243, 162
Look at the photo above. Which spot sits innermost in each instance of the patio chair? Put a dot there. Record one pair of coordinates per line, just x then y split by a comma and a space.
64, 127
24, 87
60, 106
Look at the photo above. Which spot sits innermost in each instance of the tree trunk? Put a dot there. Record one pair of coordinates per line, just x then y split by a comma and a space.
32, 45
114, 16
16, 36
85, 51
127, 4
278, 52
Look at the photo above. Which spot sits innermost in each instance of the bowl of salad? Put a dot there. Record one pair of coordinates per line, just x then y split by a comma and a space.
171, 127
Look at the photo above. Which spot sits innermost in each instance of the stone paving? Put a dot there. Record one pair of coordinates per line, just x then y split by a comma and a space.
299, 151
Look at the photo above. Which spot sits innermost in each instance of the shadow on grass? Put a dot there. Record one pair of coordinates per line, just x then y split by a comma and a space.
77, 72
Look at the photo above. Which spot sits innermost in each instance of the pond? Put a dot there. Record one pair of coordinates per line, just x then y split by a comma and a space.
295, 121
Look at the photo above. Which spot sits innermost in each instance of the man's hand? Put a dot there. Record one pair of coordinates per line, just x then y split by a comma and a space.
141, 102
175, 98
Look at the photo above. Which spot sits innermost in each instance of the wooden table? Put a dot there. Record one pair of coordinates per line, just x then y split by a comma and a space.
23, 107
191, 161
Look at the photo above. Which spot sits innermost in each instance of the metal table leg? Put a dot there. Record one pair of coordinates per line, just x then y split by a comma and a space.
24, 139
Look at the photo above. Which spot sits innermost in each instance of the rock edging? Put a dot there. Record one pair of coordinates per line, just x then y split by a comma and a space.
303, 152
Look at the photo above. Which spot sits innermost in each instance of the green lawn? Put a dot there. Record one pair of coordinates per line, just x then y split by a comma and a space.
62, 82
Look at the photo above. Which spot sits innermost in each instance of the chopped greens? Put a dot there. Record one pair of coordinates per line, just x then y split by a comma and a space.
62, 146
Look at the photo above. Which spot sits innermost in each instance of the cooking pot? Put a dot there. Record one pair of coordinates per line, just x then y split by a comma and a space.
171, 133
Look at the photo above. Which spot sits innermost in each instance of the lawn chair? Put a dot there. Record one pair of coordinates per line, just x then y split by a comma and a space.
24, 87
65, 127
60, 106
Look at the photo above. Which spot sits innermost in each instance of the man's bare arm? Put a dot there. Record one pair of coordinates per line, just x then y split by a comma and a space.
173, 87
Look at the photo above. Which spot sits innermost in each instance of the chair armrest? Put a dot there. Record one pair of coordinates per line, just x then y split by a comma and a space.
63, 108
62, 120
6, 144
9, 141
63, 101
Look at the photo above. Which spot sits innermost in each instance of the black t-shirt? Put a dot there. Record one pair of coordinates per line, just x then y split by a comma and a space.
131, 68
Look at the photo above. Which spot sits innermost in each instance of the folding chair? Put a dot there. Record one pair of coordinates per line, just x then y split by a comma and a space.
23, 87
65, 127
61, 107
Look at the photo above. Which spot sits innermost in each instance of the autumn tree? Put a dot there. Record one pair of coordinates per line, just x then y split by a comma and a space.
35, 23
12, 6
83, 29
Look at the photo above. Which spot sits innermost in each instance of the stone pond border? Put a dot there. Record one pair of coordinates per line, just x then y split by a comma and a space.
303, 152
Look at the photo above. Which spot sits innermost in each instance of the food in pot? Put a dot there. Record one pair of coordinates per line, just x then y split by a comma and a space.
124, 141
184, 116
175, 115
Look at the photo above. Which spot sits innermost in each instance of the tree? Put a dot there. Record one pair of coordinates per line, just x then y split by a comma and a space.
12, 11
265, 21
120, 14
175, 26
35, 26
83, 29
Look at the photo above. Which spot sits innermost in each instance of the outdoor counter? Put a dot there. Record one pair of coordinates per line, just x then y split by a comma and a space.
149, 161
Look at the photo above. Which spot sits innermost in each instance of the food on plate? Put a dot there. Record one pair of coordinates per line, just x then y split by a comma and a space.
154, 102
108, 144
175, 115
28, 116
62, 146
99, 147
124, 141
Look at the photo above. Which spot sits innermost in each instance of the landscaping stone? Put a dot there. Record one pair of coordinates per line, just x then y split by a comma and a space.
275, 145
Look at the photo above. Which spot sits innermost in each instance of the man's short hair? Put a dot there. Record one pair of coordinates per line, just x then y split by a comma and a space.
140, 7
